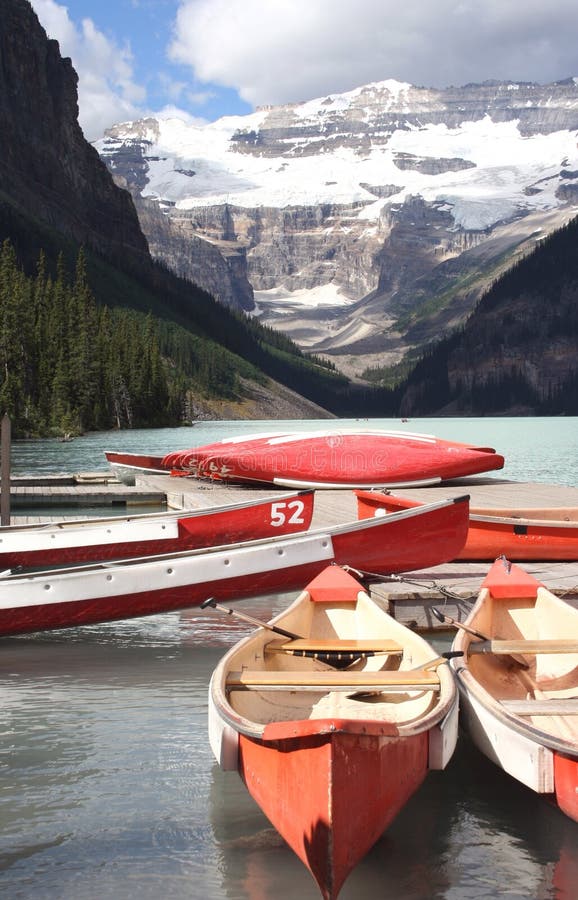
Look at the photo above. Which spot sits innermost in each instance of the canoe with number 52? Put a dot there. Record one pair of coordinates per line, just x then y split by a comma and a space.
122, 537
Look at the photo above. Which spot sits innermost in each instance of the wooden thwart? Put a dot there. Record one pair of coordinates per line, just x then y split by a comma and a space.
332, 645
526, 646
416, 679
566, 706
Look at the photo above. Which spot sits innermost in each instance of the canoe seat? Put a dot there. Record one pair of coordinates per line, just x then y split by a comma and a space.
262, 680
564, 706
521, 645
332, 650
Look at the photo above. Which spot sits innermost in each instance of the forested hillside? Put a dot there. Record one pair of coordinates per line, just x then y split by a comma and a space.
71, 364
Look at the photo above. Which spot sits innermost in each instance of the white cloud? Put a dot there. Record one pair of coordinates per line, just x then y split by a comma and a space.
107, 90
275, 51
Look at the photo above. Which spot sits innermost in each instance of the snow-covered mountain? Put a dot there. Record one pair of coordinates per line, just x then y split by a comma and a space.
364, 222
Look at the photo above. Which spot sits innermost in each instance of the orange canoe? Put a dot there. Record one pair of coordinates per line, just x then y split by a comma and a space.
332, 722
519, 534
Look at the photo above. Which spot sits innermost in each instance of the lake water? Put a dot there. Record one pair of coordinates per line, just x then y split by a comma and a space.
535, 449
108, 788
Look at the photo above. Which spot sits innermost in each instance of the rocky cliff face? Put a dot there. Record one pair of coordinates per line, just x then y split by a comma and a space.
361, 223
46, 166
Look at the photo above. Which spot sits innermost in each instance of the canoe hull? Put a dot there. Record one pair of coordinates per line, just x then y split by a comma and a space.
566, 784
123, 589
522, 753
518, 754
325, 459
88, 540
348, 460
498, 533
351, 787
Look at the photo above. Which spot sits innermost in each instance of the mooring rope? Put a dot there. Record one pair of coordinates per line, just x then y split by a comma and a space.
401, 579
436, 586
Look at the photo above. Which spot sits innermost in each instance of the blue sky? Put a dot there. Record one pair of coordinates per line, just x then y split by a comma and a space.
202, 59
148, 28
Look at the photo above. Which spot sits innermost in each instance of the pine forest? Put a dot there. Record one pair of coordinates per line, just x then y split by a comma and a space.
69, 365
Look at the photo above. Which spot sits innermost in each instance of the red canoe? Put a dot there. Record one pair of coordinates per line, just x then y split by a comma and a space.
330, 459
332, 722
177, 462
129, 464
85, 594
519, 534
518, 682
117, 537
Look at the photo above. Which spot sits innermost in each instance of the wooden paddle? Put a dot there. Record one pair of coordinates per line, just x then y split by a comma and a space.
210, 601
448, 620
421, 667
438, 660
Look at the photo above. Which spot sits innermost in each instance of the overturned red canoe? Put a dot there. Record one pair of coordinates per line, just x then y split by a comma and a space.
117, 537
124, 589
332, 722
177, 462
346, 459
334, 458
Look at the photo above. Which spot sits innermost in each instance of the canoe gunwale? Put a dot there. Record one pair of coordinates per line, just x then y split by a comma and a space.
543, 524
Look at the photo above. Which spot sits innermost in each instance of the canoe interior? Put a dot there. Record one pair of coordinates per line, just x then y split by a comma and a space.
536, 514
549, 676
358, 619
370, 502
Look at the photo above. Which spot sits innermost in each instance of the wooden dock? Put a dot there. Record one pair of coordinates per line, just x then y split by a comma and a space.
409, 598
88, 489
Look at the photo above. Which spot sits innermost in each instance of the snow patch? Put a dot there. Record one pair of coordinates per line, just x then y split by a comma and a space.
285, 302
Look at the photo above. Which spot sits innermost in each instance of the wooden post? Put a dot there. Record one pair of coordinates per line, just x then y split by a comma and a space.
5, 442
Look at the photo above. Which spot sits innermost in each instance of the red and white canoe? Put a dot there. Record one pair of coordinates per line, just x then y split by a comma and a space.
333, 722
330, 459
548, 533
518, 682
123, 589
116, 537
